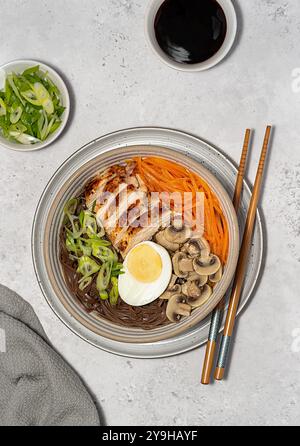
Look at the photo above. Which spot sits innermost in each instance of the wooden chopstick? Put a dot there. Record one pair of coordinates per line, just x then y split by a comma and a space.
242, 263
218, 311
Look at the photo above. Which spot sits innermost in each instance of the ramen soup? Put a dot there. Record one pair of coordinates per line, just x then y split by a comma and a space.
144, 243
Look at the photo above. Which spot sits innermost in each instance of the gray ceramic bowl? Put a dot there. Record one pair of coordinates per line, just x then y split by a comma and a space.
231, 18
48, 267
18, 66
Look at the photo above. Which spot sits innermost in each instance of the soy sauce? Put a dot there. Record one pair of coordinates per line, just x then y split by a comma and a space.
190, 31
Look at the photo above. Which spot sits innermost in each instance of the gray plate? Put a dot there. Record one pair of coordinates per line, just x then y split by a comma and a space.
198, 149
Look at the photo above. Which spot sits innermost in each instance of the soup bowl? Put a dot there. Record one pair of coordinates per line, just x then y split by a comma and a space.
68, 182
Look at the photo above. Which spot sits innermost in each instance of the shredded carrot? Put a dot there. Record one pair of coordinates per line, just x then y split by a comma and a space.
162, 175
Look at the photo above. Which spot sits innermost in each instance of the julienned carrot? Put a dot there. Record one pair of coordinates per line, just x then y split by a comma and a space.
162, 175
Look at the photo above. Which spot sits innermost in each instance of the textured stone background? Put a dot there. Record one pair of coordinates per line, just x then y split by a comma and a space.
116, 83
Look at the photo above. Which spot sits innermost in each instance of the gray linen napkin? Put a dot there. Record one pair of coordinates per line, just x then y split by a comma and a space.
37, 387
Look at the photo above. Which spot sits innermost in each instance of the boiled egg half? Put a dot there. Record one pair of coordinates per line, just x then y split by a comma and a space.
147, 273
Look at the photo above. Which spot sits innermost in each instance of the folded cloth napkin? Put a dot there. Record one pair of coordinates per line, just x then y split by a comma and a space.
37, 387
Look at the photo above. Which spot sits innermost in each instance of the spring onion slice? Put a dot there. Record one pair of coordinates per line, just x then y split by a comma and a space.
85, 283
23, 138
16, 113
10, 79
103, 277
87, 266
104, 253
86, 250
71, 206
103, 295
114, 292
2, 108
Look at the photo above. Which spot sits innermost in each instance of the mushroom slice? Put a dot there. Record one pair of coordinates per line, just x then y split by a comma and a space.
201, 280
215, 278
192, 288
182, 265
172, 281
177, 308
178, 233
175, 289
206, 266
196, 276
198, 301
161, 240
197, 247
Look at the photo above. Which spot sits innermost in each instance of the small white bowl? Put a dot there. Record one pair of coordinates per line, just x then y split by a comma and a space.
231, 19
19, 66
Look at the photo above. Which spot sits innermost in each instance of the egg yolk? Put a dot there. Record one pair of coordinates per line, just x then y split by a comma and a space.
144, 264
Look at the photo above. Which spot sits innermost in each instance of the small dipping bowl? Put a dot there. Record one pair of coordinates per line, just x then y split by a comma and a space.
231, 20
18, 66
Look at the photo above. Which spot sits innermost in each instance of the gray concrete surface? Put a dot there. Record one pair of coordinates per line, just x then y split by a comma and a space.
116, 82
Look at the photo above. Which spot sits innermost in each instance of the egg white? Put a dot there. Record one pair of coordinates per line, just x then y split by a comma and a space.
137, 293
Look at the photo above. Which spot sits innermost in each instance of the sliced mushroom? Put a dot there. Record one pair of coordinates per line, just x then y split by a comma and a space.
177, 308
178, 233
161, 240
182, 264
206, 266
192, 288
215, 278
175, 289
196, 276
172, 281
194, 284
198, 301
197, 247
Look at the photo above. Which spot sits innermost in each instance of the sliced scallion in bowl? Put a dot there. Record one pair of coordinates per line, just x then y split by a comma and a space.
30, 106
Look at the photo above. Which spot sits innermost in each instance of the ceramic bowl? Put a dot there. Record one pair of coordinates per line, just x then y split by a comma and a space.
48, 222
18, 66
231, 19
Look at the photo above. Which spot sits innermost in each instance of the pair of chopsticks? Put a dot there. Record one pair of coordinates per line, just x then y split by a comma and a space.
241, 267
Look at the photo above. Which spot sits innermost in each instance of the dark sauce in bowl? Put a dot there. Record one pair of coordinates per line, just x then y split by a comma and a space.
190, 31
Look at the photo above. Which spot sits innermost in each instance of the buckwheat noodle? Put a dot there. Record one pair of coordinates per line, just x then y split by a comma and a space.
147, 317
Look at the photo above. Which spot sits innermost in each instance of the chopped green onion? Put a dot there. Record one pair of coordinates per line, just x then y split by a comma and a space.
103, 295
114, 292
89, 223
10, 79
24, 138
95, 242
85, 283
104, 254
34, 99
103, 277
86, 247
71, 244
87, 266
86, 250
71, 206
31, 70
15, 114
48, 106
2, 108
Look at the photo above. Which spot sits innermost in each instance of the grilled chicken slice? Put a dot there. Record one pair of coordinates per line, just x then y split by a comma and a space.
108, 181
124, 207
135, 235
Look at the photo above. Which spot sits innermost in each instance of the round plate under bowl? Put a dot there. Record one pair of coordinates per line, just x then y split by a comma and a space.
182, 143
